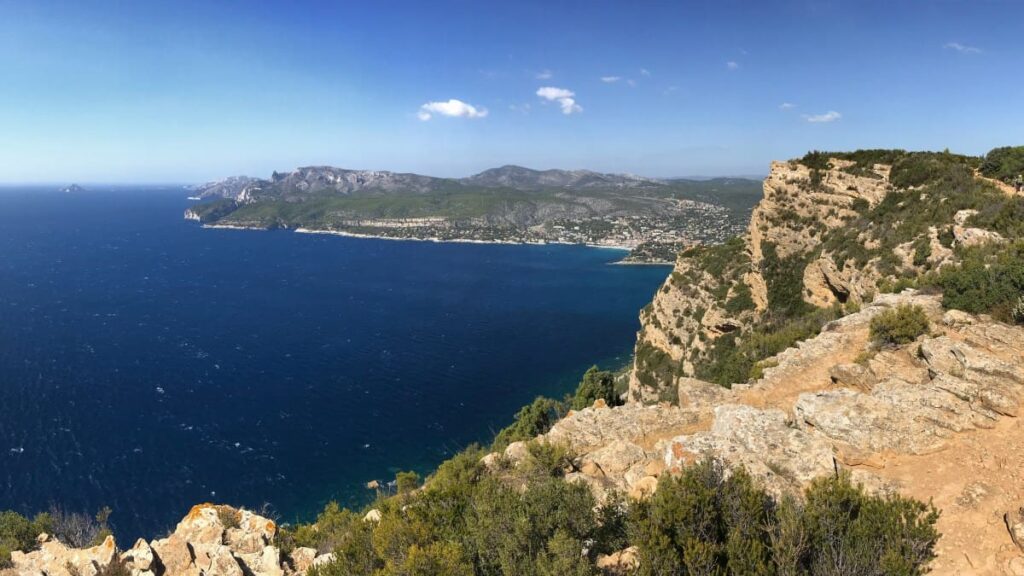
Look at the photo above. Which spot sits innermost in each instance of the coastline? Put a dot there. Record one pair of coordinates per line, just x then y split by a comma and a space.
438, 240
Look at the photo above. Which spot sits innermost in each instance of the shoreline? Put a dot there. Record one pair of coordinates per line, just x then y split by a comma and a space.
439, 240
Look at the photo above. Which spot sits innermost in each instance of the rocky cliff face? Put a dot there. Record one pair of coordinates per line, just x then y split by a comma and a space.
829, 235
936, 419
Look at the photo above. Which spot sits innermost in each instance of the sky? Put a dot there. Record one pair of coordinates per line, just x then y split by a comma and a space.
188, 91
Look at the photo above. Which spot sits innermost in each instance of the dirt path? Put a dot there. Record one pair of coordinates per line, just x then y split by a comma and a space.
974, 481
1003, 186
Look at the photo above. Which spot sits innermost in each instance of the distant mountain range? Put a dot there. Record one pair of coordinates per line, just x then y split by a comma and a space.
320, 179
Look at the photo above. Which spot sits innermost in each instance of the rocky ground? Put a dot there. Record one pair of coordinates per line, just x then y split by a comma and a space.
935, 420
210, 541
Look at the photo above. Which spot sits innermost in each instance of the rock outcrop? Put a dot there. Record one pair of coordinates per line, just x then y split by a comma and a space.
212, 540
837, 402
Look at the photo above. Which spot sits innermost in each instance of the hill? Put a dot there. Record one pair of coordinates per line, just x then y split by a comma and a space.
507, 204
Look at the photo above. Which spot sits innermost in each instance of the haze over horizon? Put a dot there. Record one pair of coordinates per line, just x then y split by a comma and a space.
157, 92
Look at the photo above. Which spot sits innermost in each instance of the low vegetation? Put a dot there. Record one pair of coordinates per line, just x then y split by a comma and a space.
703, 521
540, 415
1004, 164
77, 530
900, 325
988, 280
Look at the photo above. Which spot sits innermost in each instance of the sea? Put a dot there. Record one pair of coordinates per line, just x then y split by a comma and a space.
148, 364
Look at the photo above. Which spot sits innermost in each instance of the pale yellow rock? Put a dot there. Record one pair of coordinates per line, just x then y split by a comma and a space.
644, 488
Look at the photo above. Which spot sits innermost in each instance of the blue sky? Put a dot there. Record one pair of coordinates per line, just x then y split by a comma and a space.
152, 91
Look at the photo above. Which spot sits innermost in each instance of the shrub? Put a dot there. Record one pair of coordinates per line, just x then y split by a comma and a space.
19, 533
900, 325
988, 280
742, 299
703, 523
840, 529
406, 482
532, 420
80, 530
1004, 163
229, 517
595, 384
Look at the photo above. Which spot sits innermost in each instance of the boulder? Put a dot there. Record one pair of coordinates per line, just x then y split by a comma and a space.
139, 558
517, 452
254, 532
853, 376
202, 525
643, 488
302, 559
216, 560
55, 559
614, 459
175, 556
619, 563
1015, 524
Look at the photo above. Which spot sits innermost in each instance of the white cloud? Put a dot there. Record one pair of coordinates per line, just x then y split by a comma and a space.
610, 79
452, 108
787, 106
963, 48
565, 98
645, 72
830, 116
732, 65
521, 108
544, 75
631, 82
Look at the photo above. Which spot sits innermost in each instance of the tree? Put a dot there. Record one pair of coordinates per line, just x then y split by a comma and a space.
596, 384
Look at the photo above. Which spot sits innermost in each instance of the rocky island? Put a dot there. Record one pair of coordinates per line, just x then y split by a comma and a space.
72, 189
652, 218
837, 390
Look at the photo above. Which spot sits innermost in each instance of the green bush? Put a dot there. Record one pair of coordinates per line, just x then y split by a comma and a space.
900, 325
406, 482
703, 523
989, 280
19, 533
742, 299
1004, 163
532, 420
595, 384
706, 523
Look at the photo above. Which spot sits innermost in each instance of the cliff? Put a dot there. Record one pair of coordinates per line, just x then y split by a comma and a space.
830, 232
868, 325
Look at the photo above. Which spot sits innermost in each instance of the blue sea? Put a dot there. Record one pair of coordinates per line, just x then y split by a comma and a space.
148, 364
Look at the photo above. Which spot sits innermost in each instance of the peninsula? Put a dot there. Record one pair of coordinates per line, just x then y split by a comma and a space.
653, 218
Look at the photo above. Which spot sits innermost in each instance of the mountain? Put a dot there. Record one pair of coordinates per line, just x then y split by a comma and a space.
72, 189
328, 179
519, 178
508, 204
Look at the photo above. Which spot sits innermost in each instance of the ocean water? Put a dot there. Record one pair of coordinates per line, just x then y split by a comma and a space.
148, 364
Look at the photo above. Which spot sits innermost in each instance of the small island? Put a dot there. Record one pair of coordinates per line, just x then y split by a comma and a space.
72, 189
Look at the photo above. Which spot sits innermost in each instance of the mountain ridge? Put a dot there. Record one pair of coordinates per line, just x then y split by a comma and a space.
347, 180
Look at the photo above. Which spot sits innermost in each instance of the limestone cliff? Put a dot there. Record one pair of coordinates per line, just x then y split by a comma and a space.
830, 232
